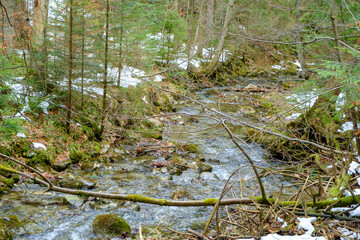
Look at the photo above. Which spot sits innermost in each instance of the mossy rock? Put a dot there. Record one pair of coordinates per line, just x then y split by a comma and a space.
42, 158
110, 224
9, 182
7, 224
20, 146
77, 156
5, 151
191, 148
156, 136
203, 167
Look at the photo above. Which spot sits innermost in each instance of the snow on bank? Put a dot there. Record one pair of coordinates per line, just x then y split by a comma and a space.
346, 127
305, 100
39, 145
304, 223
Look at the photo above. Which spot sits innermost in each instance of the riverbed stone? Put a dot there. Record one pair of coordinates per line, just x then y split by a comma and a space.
203, 167
155, 122
252, 86
208, 176
70, 181
110, 224
90, 166
7, 224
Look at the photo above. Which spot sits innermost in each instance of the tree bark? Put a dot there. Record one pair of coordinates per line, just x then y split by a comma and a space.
300, 47
82, 55
335, 30
106, 65
7, 30
68, 119
213, 64
38, 36
121, 43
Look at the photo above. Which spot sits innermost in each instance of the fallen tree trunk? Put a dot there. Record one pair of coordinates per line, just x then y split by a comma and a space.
341, 202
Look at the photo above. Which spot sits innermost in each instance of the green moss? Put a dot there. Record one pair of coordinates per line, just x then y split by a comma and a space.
9, 182
42, 158
144, 199
191, 148
5, 151
77, 156
7, 224
20, 146
210, 201
157, 136
110, 224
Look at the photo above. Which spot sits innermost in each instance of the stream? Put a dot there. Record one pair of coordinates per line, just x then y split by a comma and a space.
46, 217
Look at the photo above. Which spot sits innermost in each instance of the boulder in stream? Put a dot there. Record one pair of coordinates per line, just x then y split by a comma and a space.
7, 224
70, 181
110, 224
203, 167
208, 176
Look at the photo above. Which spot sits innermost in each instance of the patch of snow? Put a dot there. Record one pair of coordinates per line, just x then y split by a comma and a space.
346, 127
306, 224
242, 27
297, 237
340, 101
355, 191
297, 63
307, 100
355, 212
277, 67
348, 234
340, 209
158, 78
39, 145
293, 116
44, 106
354, 167
21, 135
144, 99
279, 219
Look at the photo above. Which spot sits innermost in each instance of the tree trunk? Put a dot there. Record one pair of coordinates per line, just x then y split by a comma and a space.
7, 30
82, 56
38, 36
213, 64
106, 65
196, 41
121, 43
190, 20
304, 72
335, 30
70, 68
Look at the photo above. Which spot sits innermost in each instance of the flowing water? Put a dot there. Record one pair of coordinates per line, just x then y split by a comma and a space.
46, 217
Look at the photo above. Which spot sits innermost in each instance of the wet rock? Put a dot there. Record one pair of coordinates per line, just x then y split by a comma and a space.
208, 176
191, 148
175, 171
247, 110
110, 224
74, 200
252, 86
70, 181
181, 194
7, 225
155, 122
203, 167
120, 151
105, 148
60, 166
77, 156
157, 136
117, 158
90, 166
